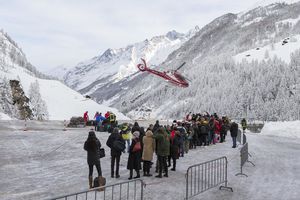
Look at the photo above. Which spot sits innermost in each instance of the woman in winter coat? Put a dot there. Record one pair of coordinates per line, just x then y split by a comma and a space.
135, 155
174, 149
148, 150
116, 144
92, 146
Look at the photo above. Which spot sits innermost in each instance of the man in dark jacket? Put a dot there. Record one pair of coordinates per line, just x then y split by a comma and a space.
136, 127
233, 132
116, 144
174, 149
244, 124
163, 151
92, 146
156, 127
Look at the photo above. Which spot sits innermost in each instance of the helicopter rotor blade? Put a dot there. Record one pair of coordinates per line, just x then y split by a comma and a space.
180, 66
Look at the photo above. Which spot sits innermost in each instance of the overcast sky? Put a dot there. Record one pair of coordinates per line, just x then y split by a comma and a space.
65, 32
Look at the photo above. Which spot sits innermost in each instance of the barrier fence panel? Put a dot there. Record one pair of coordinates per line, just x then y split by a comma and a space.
239, 137
207, 175
244, 139
244, 158
129, 190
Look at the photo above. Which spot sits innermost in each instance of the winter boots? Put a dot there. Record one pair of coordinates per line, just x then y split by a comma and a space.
130, 174
91, 182
137, 174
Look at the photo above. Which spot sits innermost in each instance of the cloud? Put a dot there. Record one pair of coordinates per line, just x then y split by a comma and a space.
56, 32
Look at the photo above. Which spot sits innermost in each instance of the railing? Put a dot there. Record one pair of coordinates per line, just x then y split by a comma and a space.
244, 158
129, 190
207, 175
241, 135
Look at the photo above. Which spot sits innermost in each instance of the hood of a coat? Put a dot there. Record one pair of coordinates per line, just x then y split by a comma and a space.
149, 133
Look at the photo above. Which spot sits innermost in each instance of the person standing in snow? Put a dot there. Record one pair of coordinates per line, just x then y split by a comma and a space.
135, 127
148, 150
244, 124
85, 118
174, 149
126, 135
156, 127
98, 121
116, 144
92, 146
182, 139
233, 132
107, 115
162, 150
135, 154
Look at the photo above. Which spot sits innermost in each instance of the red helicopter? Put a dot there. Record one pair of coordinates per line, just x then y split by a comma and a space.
171, 76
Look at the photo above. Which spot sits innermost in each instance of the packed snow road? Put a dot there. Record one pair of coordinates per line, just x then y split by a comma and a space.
45, 162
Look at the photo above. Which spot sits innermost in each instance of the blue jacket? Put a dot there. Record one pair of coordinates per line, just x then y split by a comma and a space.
100, 118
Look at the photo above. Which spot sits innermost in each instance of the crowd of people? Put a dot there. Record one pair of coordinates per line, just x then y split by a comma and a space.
99, 120
168, 143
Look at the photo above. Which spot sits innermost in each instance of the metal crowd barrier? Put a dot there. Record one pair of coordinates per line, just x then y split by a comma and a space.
207, 175
241, 135
129, 190
244, 158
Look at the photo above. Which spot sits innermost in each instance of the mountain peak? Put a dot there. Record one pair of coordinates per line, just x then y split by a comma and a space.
107, 55
264, 3
174, 35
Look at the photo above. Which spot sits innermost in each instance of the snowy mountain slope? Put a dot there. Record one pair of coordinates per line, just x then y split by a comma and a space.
62, 102
264, 3
58, 72
218, 84
280, 49
118, 65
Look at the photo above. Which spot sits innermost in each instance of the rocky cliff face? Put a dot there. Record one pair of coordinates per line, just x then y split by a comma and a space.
20, 100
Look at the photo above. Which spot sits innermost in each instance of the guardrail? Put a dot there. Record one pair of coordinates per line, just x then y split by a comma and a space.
244, 158
207, 175
129, 190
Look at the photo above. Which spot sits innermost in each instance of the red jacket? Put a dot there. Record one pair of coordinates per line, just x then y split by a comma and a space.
218, 127
85, 116
106, 115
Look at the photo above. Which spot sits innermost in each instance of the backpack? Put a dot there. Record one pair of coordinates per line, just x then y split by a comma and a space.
203, 129
137, 147
102, 181
119, 145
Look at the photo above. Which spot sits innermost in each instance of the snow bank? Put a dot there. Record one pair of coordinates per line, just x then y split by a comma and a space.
4, 116
62, 102
289, 129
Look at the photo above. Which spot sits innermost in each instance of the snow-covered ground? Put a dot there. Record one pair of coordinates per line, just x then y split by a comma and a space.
282, 129
4, 116
45, 162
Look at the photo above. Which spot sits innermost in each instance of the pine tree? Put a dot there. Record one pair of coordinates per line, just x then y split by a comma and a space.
38, 105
